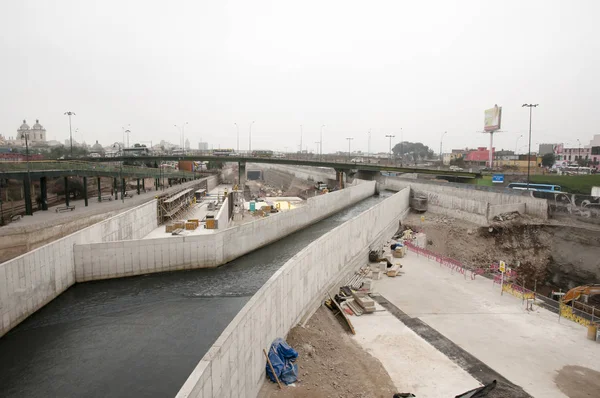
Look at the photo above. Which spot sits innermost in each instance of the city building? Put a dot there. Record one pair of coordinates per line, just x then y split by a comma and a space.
203, 146
589, 154
479, 156
545, 149
35, 134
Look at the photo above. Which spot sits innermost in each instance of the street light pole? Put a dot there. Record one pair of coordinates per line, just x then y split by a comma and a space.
517, 143
69, 113
441, 140
530, 106
28, 208
321, 143
300, 140
250, 140
349, 152
390, 137
238, 138
369, 145
401, 147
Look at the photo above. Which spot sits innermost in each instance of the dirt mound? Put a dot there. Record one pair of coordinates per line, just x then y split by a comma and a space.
331, 364
545, 256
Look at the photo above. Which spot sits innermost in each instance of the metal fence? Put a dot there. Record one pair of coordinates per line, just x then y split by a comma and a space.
575, 311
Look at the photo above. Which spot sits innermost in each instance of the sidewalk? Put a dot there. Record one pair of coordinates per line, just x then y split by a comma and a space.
529, 348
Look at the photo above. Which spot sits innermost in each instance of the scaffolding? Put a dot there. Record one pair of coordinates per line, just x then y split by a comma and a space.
176, 206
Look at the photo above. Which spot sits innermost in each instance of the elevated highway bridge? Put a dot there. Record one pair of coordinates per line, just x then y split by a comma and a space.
115, 168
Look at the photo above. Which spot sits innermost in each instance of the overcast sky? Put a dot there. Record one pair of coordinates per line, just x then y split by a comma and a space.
420, 67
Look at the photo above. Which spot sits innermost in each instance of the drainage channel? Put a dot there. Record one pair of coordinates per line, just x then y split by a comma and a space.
140, 336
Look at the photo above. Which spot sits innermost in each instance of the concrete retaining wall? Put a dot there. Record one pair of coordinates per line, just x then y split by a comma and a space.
466, 202
222, 216
30, 281
235, 364
127, 258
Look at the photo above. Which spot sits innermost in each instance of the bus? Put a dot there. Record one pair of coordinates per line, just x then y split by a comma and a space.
223, 152
571, 170
535, 187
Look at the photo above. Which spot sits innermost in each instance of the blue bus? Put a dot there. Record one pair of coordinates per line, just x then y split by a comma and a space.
535, 187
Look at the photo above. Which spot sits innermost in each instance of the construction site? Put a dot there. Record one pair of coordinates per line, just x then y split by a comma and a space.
379, 287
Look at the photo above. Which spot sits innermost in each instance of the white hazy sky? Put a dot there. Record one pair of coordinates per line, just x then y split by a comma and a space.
421, 66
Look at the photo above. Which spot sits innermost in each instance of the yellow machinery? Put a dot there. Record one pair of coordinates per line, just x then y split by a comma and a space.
577, 292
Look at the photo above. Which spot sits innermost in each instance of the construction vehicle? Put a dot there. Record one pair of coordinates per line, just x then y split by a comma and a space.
577, 292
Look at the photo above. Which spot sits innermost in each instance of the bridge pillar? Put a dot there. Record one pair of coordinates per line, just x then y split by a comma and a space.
144, 184
99, 189
138, 186
241, 175
44, 192
122, 188
116, 191
340, 175
85, 191
27, 195
67, 191
156, 183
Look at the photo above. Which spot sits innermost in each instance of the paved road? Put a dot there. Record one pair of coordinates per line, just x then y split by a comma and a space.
139, 336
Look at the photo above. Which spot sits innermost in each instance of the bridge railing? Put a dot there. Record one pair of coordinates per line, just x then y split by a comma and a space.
114, 167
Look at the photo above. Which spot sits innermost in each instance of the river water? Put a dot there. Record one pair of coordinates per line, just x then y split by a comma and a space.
140, 336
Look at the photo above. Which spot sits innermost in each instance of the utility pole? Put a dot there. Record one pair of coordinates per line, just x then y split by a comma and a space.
369, 146
530, 106
349, 152
441, 140
401, 146
69, 113
390, 137
238, 138
300, 140
250, 140
28, 208
321, 143
182, 135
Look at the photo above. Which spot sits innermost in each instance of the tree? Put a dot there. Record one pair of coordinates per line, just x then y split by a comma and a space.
548, 160
414, 151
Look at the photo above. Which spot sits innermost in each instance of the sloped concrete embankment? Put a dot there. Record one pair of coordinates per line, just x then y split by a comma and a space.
468, 203
234, 365
136, 257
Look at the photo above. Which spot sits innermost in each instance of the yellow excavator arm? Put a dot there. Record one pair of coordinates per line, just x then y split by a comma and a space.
576, 292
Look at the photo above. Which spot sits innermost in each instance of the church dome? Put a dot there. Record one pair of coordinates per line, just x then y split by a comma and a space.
37, 125
24, 126
97, 147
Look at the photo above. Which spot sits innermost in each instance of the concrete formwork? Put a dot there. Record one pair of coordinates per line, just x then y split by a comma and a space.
234, 366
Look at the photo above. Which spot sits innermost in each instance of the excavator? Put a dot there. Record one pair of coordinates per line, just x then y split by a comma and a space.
577, 292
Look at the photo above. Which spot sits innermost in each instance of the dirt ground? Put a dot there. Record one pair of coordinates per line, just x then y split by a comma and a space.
578, 382
331, 364
545, 257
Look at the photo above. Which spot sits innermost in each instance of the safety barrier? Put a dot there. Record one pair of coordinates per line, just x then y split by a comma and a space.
450, 263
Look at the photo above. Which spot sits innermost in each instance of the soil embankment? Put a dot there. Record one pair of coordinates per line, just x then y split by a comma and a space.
544, 255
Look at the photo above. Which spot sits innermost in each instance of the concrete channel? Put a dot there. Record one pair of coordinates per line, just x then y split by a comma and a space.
140, 336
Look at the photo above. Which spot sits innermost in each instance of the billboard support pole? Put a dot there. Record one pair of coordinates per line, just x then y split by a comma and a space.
491, 149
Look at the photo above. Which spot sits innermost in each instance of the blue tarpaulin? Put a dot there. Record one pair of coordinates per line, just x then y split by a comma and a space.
282, 357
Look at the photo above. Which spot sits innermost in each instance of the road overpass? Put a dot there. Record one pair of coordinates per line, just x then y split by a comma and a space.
338, 166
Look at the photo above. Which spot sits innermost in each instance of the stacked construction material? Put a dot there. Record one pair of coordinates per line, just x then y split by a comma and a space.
169, 228
367, 304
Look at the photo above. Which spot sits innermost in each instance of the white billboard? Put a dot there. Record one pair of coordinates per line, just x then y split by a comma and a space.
493, 118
